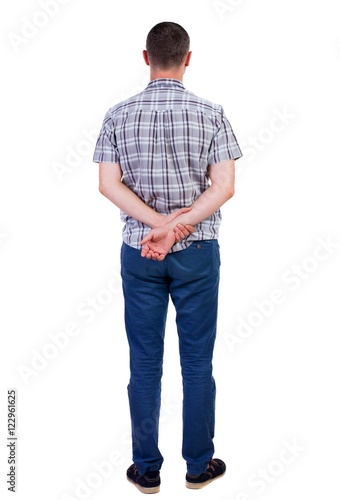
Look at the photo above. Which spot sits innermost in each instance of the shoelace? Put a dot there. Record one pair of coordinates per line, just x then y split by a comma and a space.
211, 466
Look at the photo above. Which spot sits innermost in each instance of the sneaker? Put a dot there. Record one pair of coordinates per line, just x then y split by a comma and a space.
215, 470
149, 483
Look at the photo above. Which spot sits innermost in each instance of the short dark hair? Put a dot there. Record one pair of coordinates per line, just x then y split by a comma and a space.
167, 44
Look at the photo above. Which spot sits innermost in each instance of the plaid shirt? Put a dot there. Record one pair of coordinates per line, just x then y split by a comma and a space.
164, 140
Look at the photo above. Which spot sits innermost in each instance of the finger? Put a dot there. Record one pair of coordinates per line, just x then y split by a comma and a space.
182, 230
190, 228
185, 210
179, 226
181, 211
178, 237
145, 251
149, 255
147, 238
180, 234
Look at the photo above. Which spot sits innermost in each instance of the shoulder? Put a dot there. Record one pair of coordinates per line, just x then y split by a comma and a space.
210, 109
124, 105
204, 103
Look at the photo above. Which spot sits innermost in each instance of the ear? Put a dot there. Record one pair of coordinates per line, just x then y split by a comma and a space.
146, 57
188, 58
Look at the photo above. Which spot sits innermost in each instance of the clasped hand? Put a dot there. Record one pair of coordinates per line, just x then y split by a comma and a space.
160, 239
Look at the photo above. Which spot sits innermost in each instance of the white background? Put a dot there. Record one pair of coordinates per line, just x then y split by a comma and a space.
277, 378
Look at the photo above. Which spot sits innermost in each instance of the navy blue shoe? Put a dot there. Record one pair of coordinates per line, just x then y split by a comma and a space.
215, 470
149, 483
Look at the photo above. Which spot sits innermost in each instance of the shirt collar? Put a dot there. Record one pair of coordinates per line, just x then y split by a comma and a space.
165, 82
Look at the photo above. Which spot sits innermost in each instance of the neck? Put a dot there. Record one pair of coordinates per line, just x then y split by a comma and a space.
171, 73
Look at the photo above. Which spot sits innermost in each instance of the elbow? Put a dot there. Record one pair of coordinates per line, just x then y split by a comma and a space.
102, 188
229, 193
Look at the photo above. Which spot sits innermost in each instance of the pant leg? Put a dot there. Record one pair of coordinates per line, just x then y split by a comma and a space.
194, 286
146, 295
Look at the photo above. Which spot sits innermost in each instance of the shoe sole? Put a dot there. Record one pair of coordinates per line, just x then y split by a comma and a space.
198, 486
154, 489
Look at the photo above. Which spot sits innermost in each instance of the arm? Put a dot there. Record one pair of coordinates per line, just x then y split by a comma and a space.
112, 187
222, 177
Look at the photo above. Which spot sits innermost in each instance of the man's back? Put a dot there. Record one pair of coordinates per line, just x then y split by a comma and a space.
164, 140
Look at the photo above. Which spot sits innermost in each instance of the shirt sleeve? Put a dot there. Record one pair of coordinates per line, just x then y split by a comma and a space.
106, 148
224, 145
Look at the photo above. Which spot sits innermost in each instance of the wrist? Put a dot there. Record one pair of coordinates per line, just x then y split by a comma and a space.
173, 223
157, 220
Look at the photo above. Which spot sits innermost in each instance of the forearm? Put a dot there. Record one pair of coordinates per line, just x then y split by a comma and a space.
125, 199
205, 205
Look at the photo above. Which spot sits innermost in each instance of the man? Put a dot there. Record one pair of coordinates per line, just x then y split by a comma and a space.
166, 159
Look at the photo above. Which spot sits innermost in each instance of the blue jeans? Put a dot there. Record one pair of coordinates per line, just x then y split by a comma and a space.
191, 278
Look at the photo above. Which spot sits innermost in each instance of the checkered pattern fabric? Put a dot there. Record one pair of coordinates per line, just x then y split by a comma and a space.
164, 139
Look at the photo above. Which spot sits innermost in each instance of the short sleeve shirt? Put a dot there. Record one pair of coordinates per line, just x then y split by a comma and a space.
164, 139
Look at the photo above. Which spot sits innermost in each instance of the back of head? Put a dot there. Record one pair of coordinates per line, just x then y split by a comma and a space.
167, 45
